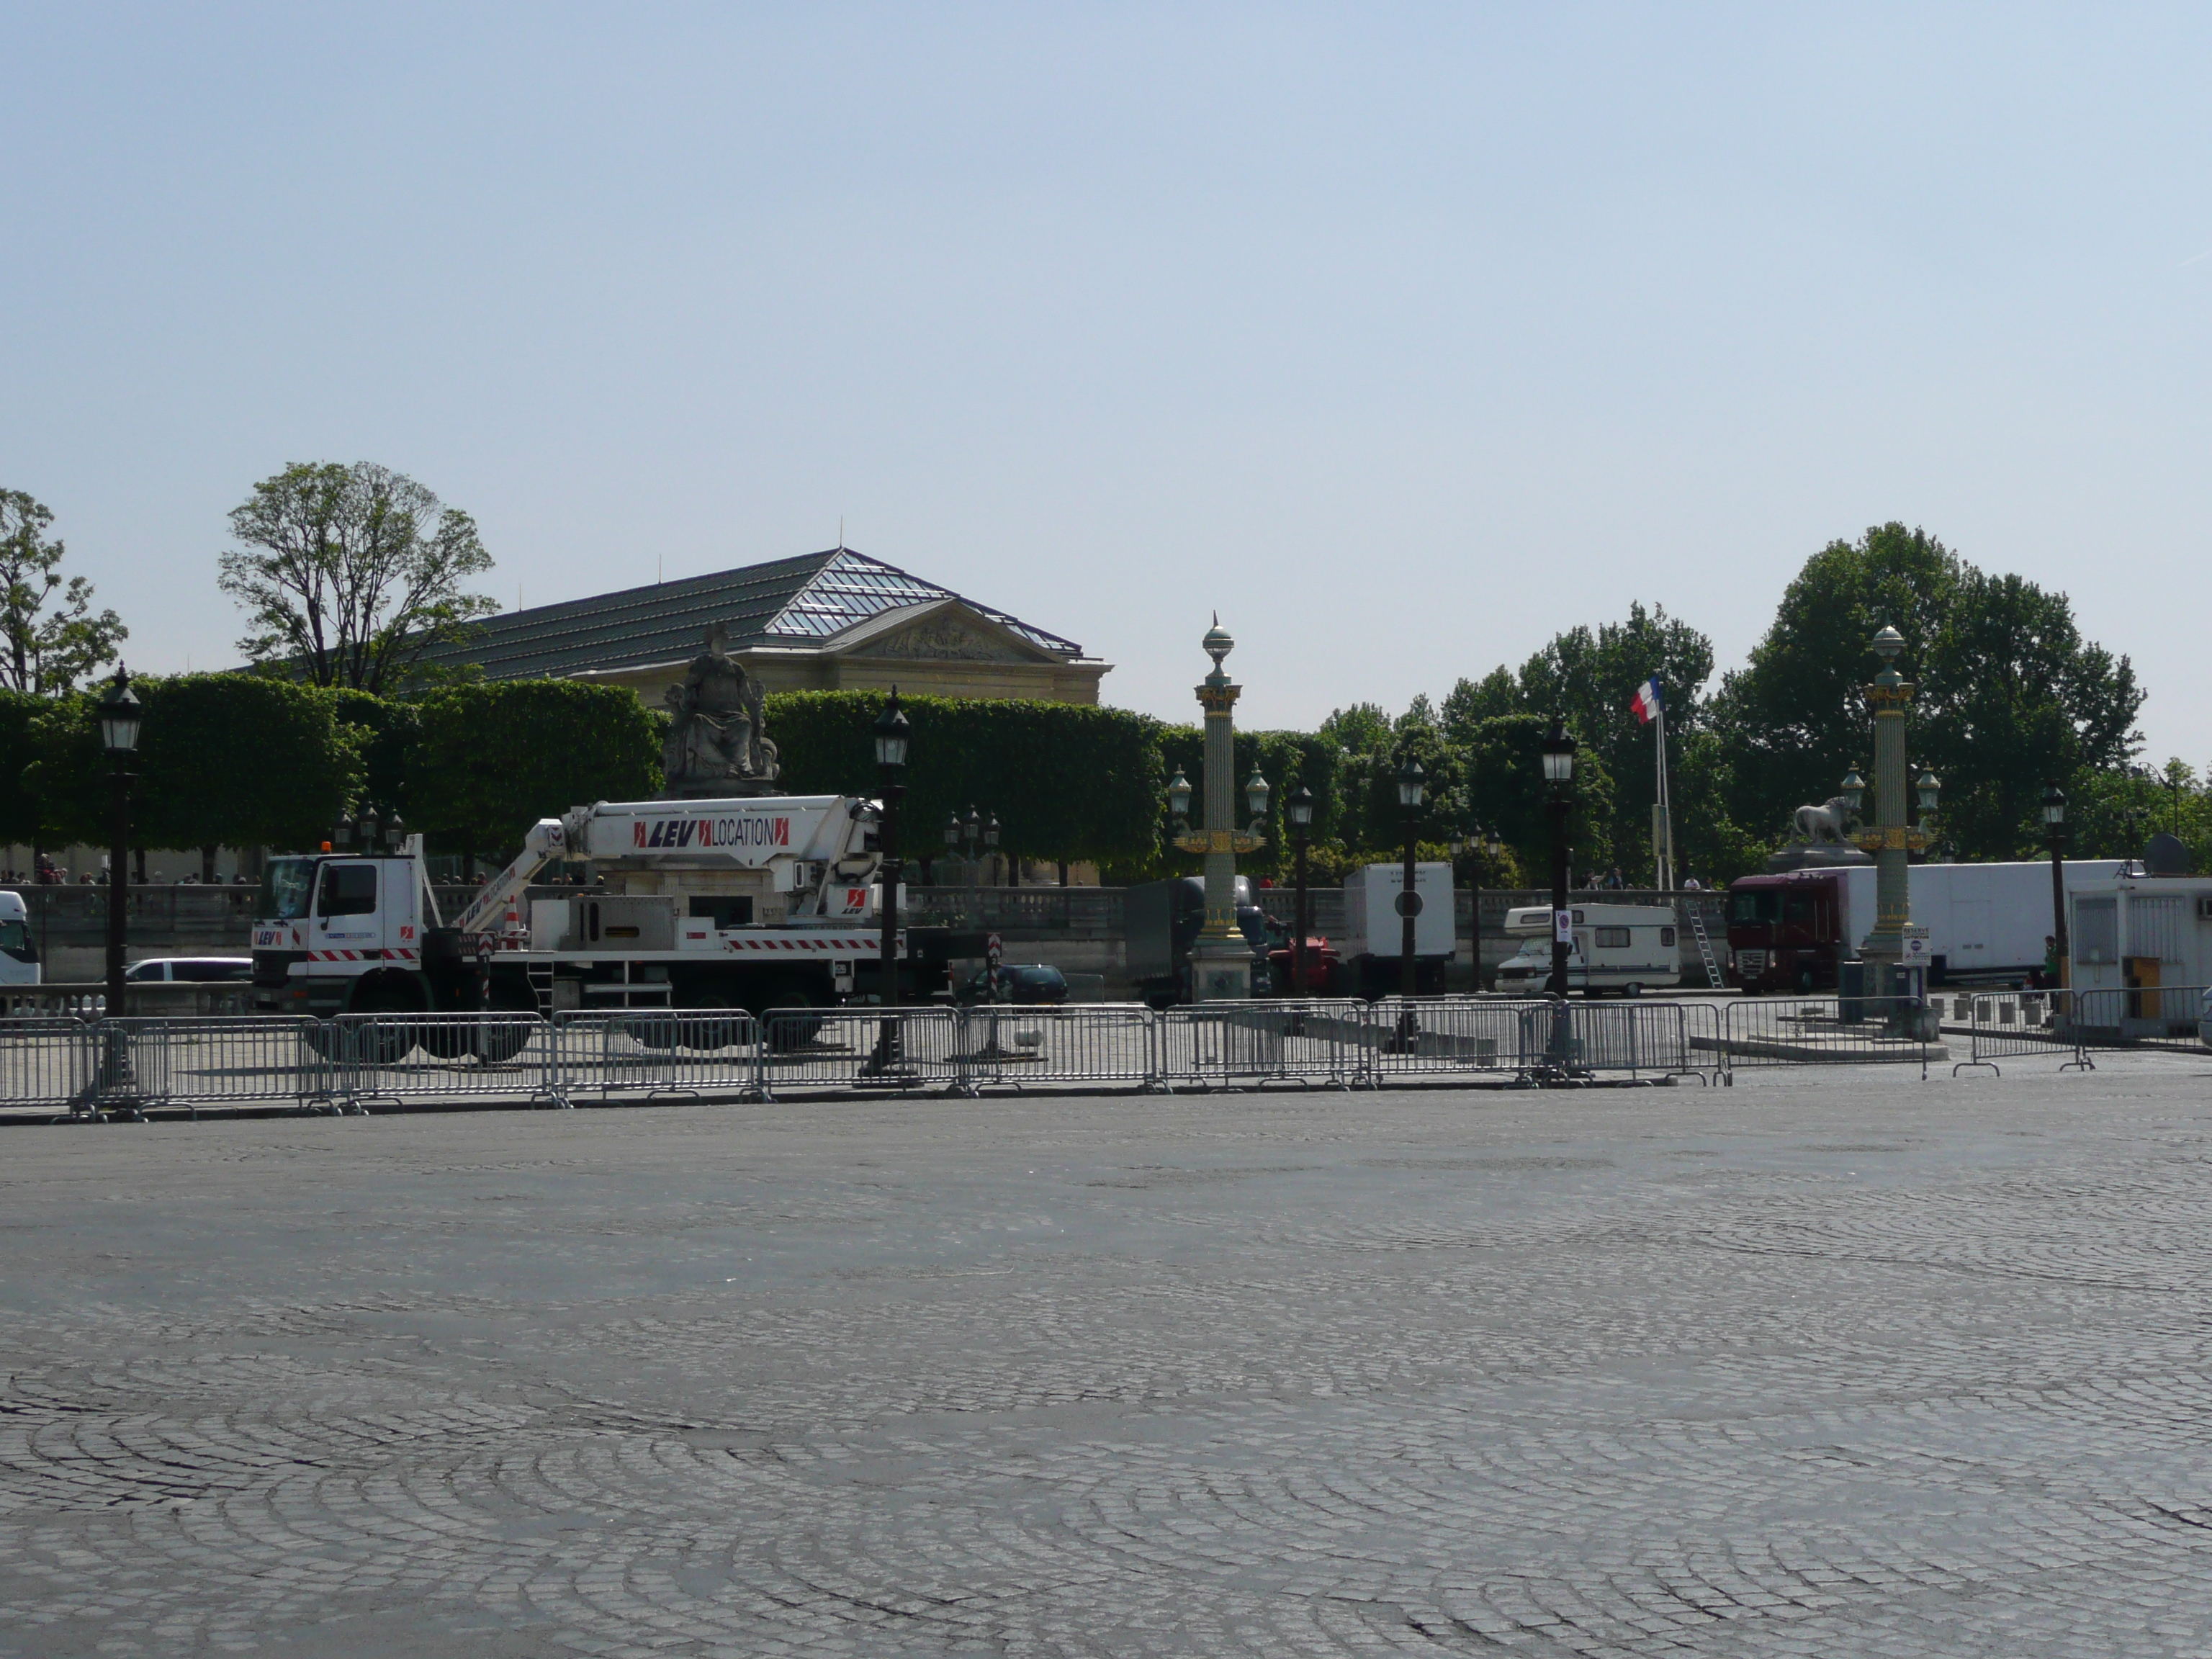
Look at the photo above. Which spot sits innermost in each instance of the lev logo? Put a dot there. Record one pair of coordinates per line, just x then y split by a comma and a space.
708, 833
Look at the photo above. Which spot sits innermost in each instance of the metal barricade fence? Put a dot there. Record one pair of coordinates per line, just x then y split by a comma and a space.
45, 1060
2148, 1016
1305, 1040
1096, 1042
859, 1048
215, 1061
1630, 1036
436, 1056
1797, 1030
1432, 1035
2000, 1024
686, 1052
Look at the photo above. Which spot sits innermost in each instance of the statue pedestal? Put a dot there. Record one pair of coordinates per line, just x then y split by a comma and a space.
1221, 970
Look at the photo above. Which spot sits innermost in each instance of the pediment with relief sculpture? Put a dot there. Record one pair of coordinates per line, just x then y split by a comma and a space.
948, 638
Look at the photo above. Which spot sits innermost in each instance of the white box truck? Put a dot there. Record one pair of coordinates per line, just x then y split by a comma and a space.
1374, 936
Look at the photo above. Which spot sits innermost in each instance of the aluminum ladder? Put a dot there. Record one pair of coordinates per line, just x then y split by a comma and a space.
1705, 946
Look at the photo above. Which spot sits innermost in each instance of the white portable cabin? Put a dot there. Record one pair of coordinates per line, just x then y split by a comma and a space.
2140, 932
1618, 947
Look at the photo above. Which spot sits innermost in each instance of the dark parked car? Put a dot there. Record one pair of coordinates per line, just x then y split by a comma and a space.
1026, 983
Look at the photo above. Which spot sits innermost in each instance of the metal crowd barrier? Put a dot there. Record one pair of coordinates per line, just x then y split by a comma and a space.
47, 1060
999, 1047
684, 1052
437, 1056
1827, 1030
215, 1061
859, 1048
1220, 1045
1425, 1036
117, 1066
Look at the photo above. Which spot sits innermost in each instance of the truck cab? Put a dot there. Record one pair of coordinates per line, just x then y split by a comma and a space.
321, 918
1786, 933
19, 955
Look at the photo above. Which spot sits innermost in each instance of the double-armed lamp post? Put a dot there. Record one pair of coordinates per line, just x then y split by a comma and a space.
1560, 783
1221, 960
1477, 842
120, 720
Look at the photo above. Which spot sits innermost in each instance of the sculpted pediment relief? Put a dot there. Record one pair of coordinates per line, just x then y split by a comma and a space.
947, 638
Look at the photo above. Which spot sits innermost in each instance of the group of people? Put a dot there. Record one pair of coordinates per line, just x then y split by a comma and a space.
47, 874
1613, 880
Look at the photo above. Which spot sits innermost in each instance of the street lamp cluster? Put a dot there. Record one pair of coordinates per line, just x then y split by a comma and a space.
975, 834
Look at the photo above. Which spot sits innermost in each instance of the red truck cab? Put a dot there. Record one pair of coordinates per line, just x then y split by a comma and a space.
1786, 933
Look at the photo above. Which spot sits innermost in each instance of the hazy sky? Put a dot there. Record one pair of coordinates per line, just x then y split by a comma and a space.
1404, 336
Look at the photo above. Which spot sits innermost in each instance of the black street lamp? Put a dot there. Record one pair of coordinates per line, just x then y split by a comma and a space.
1412, 790
1298, 812
990, 841
120, 718
1475, 843
1560, 779
2054, 831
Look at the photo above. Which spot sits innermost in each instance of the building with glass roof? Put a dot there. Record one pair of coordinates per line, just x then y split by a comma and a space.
829, 621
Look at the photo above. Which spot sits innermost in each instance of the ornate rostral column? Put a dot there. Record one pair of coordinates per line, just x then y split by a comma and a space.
1221, 961
1894, 939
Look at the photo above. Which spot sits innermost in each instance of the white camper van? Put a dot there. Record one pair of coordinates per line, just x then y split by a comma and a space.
1618, 947
19, 957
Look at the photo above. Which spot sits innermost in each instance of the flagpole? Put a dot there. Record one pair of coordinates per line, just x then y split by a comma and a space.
1666, 861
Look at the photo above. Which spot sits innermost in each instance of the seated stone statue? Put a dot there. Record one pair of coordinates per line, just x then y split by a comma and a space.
715, 744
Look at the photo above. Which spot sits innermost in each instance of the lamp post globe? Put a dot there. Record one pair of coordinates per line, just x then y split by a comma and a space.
341, 832
371, 829
1930, 790
121, 716
1851, 790
1179, 796
1256, 795
395, 832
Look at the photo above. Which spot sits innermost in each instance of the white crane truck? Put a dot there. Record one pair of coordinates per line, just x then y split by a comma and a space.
754, 903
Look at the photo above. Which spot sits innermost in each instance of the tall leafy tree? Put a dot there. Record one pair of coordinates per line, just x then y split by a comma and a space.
492, 759
349, 574
2010, 695
51, 638
1590, 677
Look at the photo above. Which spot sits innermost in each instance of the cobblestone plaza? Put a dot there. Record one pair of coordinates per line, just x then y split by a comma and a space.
1830, 1363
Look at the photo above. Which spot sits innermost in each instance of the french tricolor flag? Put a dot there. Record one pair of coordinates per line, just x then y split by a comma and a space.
1647, 703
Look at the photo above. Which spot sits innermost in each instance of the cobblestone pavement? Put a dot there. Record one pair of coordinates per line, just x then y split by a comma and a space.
1830, 1363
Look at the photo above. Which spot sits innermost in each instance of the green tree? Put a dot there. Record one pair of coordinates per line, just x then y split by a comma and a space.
20, 821
492, 758
347, 574
382, 730
2009, 694
51, 638
1505, 763
1795, 715
2014, 699
224, 760
1067, 781
1590, 677
233, 760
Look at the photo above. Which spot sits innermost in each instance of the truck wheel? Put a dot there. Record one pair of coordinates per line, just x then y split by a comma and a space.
788, 1023
1633, 988
707, 1036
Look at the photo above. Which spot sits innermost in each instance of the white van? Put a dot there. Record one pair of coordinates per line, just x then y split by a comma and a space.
1618, 947
19, 956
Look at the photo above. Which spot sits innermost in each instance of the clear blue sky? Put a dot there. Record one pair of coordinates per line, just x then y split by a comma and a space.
1404, 336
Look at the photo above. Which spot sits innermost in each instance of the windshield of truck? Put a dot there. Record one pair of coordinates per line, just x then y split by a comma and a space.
285, 889
16, 939
1756, 904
